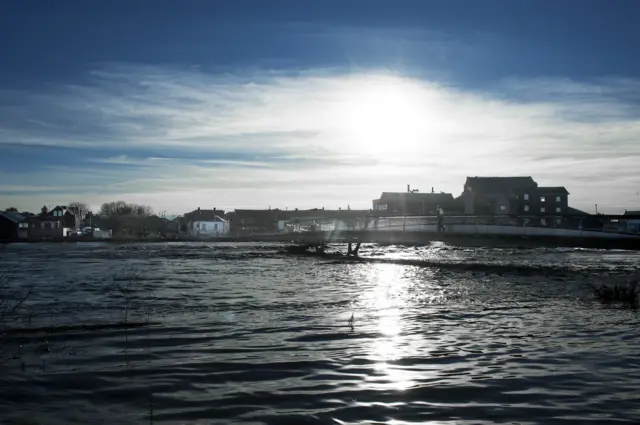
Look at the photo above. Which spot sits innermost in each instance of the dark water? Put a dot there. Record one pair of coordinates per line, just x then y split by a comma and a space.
237, 333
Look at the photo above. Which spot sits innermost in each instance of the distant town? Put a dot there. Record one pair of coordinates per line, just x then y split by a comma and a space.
514, 200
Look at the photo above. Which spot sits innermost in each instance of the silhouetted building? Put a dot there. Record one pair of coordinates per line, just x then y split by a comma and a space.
13, 226
54, 224
415, 204
514, 196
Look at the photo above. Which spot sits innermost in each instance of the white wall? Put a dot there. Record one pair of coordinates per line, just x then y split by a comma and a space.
209, 228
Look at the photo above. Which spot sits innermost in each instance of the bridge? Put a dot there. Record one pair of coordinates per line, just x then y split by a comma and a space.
570, 231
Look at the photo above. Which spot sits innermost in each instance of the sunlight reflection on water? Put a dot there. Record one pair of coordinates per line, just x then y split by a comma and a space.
245, 335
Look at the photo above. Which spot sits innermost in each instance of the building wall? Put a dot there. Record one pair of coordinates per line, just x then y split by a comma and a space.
45, 229
8, 229
520, 203
534, 205
209, 228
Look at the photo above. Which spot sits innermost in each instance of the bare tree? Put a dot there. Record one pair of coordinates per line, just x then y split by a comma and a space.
120, 208
80, 209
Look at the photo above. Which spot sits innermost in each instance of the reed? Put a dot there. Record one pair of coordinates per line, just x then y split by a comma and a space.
627, 294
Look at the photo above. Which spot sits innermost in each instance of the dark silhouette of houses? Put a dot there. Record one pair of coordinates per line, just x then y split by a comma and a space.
54, 224
514, 196
413, 203
13, 226
251, 221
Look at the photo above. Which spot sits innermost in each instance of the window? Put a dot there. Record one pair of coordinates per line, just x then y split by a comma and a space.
558, 199
215, 226
543, 199
503, 208
558, 209
526, 208
543, 209
42, 225
526, 196
558, 221
23, 225
543, 221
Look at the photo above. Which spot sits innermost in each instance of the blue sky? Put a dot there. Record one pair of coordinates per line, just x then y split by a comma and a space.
182, 104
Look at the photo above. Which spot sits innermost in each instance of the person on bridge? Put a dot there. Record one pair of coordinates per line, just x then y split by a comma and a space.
440, 216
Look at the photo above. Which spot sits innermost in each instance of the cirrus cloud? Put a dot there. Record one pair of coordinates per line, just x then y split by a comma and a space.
178, 138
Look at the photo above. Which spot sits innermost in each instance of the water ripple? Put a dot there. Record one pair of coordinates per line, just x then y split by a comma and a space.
240, 333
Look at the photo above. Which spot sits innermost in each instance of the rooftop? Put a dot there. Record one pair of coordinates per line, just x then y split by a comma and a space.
500, 184
554, 189
205, 215
427, 197
16, 217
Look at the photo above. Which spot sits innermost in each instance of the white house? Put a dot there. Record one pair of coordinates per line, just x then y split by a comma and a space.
217, 227
206, 223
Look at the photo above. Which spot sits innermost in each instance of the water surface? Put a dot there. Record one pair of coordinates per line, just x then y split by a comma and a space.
240, 333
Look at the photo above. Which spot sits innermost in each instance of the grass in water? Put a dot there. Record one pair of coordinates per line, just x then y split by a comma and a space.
627, 294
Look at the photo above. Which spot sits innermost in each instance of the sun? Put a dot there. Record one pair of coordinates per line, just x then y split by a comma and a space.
379, 115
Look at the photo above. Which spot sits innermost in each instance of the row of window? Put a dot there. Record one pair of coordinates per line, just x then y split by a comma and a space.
44, 225
542, 209
542, 198
48, 225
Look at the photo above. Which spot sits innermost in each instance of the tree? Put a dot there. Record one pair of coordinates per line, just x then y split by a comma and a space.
44, 210
11, 209
121, 208
80, 209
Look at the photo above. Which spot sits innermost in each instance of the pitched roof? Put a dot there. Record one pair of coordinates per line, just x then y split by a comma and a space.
204, 215
500, 184
16, 217
575, 211
416, 196
63, 208
554, 189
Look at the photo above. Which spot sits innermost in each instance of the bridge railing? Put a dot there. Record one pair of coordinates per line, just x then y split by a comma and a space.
468, 223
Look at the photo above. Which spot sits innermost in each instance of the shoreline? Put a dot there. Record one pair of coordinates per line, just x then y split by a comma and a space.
389, 238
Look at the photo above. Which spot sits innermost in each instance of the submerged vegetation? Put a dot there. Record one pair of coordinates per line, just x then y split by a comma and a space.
627, 294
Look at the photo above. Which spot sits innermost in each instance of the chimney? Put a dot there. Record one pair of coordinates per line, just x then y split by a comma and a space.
432, 189
409, 188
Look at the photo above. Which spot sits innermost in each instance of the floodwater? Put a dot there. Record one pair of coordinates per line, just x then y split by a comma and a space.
239, 333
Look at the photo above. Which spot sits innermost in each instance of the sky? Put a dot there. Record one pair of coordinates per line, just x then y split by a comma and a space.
321, 103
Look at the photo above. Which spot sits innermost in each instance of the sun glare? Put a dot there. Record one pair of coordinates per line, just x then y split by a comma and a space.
381, 115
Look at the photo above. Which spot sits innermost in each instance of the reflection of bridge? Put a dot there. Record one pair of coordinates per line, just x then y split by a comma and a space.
559, 231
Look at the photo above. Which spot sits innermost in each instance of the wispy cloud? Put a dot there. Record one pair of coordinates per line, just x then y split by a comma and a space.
178, 138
